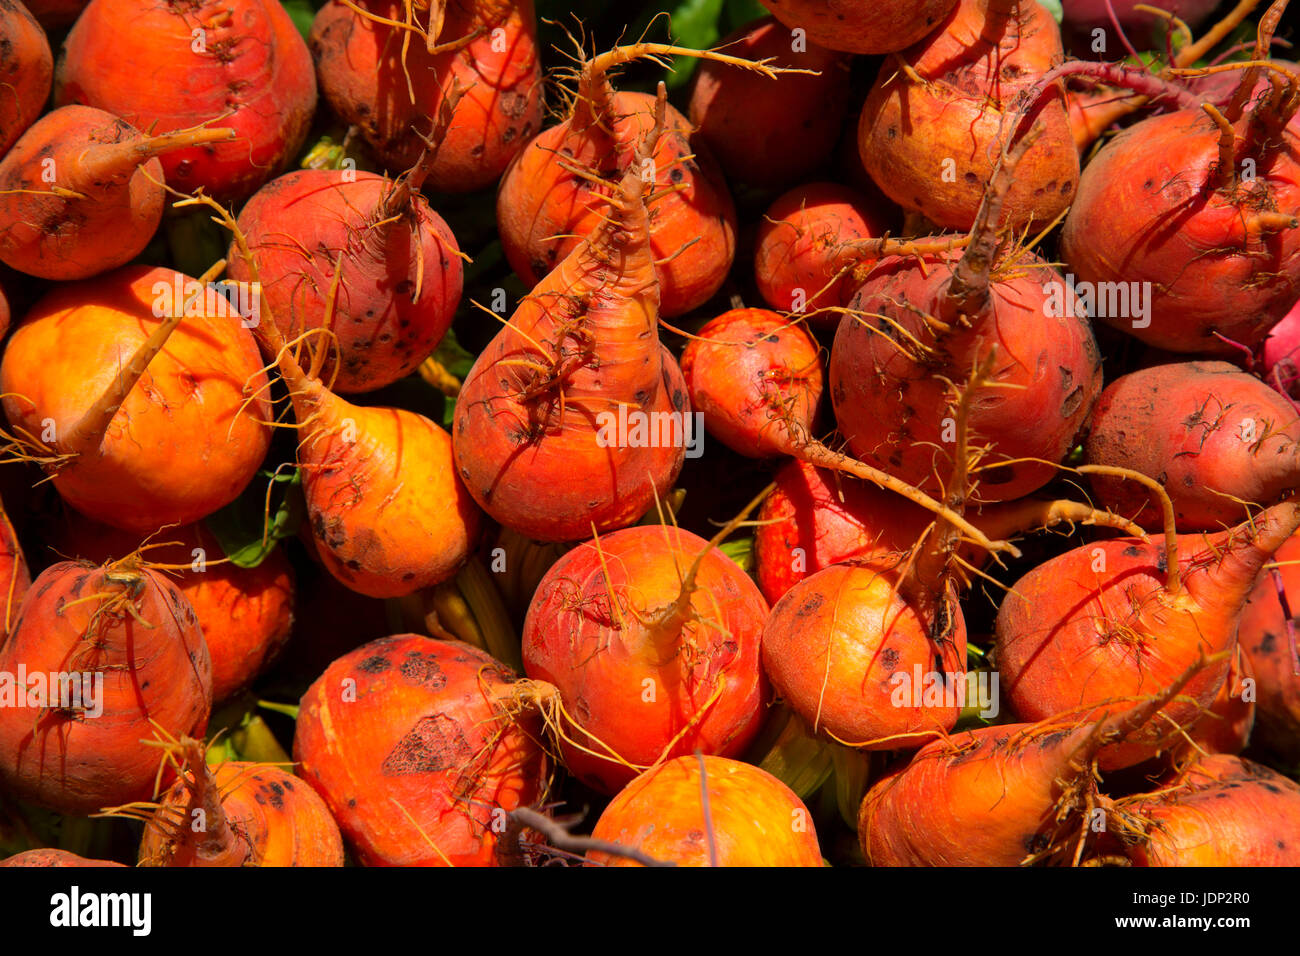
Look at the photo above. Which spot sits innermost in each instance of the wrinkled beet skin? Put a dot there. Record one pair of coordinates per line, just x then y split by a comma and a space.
752, 122
1203, 430
501, 107
1147, 212
907, 131
862, 26
892, 411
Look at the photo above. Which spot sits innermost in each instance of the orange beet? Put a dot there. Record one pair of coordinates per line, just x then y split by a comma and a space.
1267, 641
241, 60
801, 248
929, 139
1225, 728
754, 819
862, 26
15, 578
543, 429
187, 438
1107, 621
26, 71
645, 665
400, 282
757, 380
1222, 811
893, 405
811, 521
1213, 435
546, 211
409, 743
369, 475
1219, 249
253, 815
985, 797
750, 122
1003, 795
138, 648
81, 192
246, 613
859, 661
53, 858
490, 46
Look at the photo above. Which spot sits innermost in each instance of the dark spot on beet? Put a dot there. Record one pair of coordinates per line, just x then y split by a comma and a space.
276, 795
1072, 402
1133, 551
352, 802
422, 670
259, 797
970, 177
376, 664
433, 744
810, 605
889, 657
1268, 643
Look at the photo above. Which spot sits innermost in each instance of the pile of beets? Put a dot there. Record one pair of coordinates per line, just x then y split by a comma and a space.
422, 423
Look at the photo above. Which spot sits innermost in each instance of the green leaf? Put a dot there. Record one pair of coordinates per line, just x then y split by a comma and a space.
1054, 8
741, 551
301, 12
453, 357
694, 24
737, 13
244, 529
